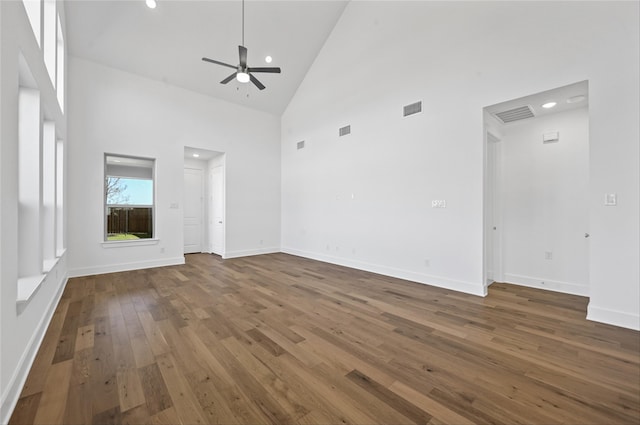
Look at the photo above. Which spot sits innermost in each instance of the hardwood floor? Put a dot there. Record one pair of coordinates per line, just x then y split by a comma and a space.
280, 339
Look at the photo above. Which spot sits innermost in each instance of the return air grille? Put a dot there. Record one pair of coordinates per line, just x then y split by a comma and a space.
414, 108
344, 130
516, 114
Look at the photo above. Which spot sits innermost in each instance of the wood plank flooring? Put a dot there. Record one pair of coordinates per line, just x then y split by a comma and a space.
277, 339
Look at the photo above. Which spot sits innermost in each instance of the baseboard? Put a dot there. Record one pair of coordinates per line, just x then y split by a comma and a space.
613, 317
549, 285
17, 381
250, 252
123, 267
455, 285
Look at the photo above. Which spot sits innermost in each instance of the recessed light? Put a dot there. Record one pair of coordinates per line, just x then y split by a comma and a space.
116, 160
268, 59
196, 155
151, 4
576, 99
549, 105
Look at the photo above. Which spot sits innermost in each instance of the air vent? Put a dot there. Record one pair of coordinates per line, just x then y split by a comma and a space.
345, 130
414, 108
516, 114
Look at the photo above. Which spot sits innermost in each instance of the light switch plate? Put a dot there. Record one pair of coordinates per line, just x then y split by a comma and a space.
550, 137
438, 203
610, 199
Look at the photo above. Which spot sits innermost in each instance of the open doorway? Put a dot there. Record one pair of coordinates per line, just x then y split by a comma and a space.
536, 190
204, 201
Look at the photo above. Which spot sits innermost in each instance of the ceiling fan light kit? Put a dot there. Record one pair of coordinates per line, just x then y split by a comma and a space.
244, 73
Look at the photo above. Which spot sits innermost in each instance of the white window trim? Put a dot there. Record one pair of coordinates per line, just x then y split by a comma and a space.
129, 243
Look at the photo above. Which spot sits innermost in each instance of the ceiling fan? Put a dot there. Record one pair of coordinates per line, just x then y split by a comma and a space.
243, 73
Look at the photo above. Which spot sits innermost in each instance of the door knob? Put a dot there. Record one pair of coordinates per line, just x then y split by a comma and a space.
586, 235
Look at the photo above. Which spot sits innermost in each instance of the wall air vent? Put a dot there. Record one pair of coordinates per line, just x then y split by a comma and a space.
414, 108
300, 145
344, 130
515, 114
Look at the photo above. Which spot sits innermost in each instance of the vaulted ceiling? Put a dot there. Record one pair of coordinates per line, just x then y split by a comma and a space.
168, 42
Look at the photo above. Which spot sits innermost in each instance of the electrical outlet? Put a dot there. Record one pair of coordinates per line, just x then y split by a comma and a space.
548, 255
427, 262
162, 250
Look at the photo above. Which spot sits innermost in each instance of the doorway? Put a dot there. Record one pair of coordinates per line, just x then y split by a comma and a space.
204, 201
536, 191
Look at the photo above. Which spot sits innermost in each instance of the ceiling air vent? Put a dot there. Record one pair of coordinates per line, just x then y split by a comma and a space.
344, 130
414, 108
515, 114
300, 145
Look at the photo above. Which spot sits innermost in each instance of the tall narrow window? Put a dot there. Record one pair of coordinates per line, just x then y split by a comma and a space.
60, 60
60, 242
48, 210
49, 39
129, 198
33, 13
29, 184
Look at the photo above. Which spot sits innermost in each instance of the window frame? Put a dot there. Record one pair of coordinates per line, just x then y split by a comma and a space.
145, 241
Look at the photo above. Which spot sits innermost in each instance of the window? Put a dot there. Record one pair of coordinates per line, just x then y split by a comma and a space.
60, 66
129, 198
33, 13
49, 38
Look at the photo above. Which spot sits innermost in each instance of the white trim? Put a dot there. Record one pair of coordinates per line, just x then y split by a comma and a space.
129, 242
549, 285
88, 271
249, 252
613, 317
20, 374
27, 287
48, 265
441, 282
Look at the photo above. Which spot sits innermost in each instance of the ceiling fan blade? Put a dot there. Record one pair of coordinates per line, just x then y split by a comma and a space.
229, 78
255, 81
218, 63
243, 56
272, 70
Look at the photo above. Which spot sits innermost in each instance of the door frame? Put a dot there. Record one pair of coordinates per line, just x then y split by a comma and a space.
492, 225
222, 166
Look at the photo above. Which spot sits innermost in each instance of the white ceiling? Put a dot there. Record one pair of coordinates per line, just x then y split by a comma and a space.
560, 95
167, 43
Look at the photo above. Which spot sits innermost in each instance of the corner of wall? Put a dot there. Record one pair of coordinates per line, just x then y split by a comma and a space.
613, 317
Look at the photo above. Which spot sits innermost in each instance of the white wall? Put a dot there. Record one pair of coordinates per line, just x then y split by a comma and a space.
545, 202
21, 326
457, 58
117, 112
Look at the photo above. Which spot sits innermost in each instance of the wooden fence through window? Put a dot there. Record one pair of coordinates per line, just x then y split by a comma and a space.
132, 220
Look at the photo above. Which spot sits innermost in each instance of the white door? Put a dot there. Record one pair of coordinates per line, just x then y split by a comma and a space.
193, 206
216, 206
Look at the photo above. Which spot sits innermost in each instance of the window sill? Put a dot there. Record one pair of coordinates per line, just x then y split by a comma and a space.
48, 265
27, 287
123, 244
